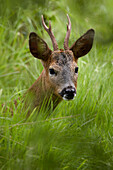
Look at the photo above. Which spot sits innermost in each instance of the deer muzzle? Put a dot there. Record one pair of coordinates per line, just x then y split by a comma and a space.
68, 93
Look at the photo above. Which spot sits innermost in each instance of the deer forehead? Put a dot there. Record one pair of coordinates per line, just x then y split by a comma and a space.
62, 58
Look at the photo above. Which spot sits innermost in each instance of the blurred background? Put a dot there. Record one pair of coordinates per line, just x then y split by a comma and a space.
84, 15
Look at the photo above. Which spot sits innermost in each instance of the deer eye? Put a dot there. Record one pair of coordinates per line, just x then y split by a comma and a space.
76, 70
52, 71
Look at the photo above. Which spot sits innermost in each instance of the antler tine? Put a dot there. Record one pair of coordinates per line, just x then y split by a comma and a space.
55, 45
67, 34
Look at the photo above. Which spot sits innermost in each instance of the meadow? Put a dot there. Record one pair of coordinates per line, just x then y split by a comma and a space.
77, 134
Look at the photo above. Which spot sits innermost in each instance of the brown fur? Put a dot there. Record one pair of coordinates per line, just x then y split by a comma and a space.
63, 62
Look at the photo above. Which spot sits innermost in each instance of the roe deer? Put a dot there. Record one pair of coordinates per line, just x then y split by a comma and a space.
58, 79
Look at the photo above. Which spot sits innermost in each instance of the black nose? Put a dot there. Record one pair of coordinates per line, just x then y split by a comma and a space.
68, 93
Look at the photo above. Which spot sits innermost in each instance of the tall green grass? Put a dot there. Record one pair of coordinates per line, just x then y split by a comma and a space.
77, 134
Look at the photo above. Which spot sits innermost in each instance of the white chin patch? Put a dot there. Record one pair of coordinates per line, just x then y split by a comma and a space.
65, 97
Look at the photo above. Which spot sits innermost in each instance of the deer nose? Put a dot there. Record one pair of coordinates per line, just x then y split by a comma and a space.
68, 93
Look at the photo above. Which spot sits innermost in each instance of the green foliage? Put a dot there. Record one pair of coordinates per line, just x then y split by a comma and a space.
78, 134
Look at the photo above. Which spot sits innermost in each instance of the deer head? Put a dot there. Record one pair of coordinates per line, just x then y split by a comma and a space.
60, 66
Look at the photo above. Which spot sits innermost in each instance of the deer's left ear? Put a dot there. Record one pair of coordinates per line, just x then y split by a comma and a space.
84, 44
38, 47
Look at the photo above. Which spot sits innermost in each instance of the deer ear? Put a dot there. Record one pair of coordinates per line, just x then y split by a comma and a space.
84, 44
38, 47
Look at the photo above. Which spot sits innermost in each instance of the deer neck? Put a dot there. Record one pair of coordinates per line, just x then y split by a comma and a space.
41, 93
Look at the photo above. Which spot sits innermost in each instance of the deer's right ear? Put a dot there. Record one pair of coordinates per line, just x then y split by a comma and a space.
84, 44
38, 47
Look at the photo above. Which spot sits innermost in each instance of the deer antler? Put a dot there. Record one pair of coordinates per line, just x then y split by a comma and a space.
55, 45
67, 34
